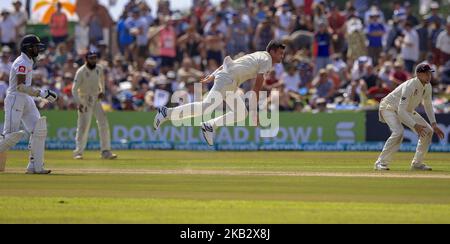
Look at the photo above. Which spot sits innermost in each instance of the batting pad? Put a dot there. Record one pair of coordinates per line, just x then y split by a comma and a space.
37, 144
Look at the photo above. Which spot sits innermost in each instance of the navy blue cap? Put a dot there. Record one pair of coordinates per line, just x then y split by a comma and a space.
423, 68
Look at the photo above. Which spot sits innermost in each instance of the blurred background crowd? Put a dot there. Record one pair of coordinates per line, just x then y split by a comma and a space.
341, 55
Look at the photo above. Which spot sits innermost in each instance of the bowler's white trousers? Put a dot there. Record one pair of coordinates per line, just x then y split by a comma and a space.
223, 84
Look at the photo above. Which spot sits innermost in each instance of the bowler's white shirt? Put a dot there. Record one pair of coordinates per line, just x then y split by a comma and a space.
249, 66
406, 98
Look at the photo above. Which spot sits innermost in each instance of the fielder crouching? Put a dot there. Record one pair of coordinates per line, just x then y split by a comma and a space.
398, 108
20, 107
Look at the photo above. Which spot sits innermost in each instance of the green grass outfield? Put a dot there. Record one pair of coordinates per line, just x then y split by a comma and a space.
225, 187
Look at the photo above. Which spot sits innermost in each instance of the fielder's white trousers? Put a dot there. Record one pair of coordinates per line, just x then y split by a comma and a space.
223, 84
392, 145
84, 123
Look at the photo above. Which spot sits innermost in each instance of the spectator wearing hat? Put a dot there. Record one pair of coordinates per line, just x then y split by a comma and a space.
375, 32
59, 25
8, 33
410, 47
434, 16
443, 44
374, 8
20, 18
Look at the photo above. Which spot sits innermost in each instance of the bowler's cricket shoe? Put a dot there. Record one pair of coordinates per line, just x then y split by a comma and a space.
420, 167
379, 166
208, 133
160, 117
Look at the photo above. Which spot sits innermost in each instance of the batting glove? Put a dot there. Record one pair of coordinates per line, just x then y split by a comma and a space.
49, 95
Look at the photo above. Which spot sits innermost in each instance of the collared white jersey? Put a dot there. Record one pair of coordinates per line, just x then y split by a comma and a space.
249, 66
23, 65
406, 98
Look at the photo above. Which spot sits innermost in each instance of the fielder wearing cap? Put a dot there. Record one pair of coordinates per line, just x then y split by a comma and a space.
398, 109
88, 91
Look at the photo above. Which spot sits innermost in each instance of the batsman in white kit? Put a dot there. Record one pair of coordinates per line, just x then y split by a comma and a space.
227, 78
398, 108
20, 106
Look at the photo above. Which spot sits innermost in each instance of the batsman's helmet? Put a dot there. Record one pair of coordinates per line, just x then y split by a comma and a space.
30, 41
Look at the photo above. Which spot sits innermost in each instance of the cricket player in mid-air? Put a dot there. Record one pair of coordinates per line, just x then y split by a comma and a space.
20, 105
228, 78
398, 108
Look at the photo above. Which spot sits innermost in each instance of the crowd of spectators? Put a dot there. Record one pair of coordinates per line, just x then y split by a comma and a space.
337, 58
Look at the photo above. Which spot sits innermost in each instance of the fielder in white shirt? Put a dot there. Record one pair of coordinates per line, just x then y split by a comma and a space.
20, 106
398, 108
227, 78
